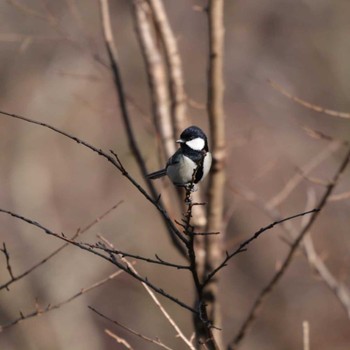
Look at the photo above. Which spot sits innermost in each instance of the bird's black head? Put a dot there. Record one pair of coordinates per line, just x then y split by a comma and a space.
194, 138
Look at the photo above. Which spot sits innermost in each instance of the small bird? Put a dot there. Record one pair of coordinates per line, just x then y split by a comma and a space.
192, 161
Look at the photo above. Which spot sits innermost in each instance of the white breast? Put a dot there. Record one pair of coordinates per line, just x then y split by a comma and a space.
181, 173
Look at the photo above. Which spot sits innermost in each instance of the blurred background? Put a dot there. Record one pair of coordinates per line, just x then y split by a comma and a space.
54, 68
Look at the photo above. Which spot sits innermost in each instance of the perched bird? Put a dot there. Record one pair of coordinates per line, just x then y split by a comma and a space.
192, 159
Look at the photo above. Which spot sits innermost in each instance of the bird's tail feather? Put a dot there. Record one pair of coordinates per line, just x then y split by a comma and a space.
157, 174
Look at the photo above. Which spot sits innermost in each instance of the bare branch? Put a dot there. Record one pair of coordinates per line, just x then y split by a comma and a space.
339, 289
50, 307
156, 301
58, 250
156, 73
194, 104
188, 230
158, 261
339, 196
320, 135
213, 244
164, 72
119, 340
203, 323
309, 105
63, 133
29, 11
315, 261
150, 340
306, 335
7, 257
174, 65
116, 162
275, 279
312, 179
112, 259
113, 57
150, 22
243, 246
297, 178
26, 39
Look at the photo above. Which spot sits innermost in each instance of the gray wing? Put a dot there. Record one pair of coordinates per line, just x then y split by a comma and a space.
175, 158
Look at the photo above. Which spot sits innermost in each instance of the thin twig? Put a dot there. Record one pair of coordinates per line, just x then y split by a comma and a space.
312, 179
188, 230
339, 196
297, 178
114, 61
243, 246
150, 340
293, 248
320, 135
58, 250
113, 57
115, 162
157, 261
205, 233
7, 257
315, 261
339, 289
112, 259
29, 11
194, 104
156, 301
118, 339
50, 307
307, 104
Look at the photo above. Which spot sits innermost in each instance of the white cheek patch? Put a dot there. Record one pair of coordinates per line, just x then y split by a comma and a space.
196, 144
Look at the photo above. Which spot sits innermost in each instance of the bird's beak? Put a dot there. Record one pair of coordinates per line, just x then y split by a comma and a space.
180, 141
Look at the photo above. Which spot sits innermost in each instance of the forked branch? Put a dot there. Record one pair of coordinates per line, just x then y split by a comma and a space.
111, 258
243, 246
293, 248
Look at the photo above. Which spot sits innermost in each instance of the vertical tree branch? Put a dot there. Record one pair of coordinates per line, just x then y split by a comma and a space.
217, 177
174, 83
174, 66
178, 113
156, 73
161, 79
113, 57
203, 325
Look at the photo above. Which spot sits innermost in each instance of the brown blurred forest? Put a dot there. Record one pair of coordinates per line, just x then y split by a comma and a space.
54, 68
